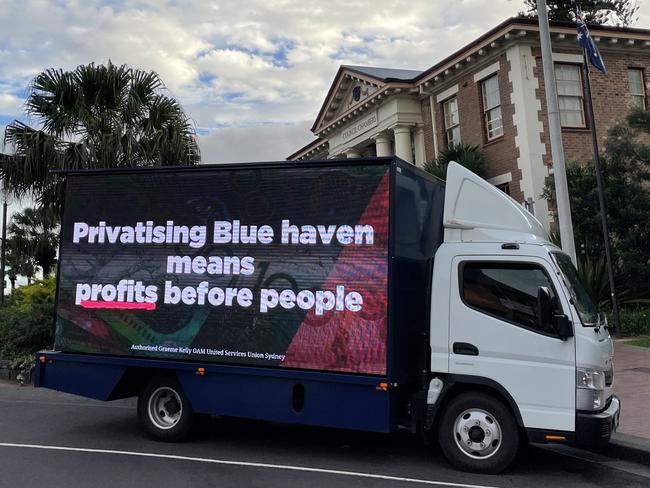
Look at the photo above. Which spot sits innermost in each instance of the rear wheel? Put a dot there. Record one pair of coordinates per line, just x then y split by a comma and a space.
164, 411
478, 433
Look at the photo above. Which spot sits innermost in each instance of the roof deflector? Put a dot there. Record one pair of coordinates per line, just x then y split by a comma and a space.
473, 203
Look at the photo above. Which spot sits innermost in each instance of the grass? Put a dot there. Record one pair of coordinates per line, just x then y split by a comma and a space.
644, 342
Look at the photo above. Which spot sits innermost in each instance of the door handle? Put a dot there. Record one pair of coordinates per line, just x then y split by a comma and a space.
465, 348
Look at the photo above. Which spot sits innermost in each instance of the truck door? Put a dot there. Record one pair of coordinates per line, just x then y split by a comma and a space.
494, 336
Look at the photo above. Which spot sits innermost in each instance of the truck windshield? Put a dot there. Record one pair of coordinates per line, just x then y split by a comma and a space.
588, 312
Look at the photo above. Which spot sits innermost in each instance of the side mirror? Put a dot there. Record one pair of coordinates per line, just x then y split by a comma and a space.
547, 319
563, 326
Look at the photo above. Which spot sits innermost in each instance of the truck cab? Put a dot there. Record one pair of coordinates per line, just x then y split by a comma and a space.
517, 345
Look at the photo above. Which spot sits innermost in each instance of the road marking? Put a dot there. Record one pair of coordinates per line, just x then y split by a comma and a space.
246, 464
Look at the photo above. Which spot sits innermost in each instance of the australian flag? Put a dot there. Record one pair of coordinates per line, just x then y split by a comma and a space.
588, 43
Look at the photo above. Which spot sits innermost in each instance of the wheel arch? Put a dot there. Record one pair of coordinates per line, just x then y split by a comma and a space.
134, 379
458, 384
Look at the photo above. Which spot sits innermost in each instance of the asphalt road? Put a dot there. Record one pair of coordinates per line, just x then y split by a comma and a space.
57, 440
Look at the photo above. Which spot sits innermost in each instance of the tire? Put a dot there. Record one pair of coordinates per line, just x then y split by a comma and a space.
478, 433
164, 411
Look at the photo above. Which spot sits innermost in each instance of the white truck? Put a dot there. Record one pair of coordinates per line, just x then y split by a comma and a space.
362, 294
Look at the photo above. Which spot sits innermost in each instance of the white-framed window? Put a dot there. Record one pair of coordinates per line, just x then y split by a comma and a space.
492, 108
637, 88
569, 95
452, 121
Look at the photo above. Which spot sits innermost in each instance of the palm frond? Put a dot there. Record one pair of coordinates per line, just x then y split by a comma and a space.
468, 156
94, 116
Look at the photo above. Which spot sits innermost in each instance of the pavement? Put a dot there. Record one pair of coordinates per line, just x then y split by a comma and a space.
632, 385
48, 438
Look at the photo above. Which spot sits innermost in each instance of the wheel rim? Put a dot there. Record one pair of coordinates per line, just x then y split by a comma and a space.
477, 433
165, 408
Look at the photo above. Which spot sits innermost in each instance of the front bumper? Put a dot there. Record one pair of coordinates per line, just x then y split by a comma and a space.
595, 429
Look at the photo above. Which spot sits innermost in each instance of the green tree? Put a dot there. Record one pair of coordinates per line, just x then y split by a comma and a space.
626, 177
640, 119
95, 116
19, 263
617, 12
468, 156
33, 234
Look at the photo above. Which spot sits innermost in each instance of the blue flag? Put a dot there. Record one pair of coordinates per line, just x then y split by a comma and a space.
588, 44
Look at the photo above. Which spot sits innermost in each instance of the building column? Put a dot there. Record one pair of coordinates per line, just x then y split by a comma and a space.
352, 153
403, 147
382, 145
420, 156
433, 126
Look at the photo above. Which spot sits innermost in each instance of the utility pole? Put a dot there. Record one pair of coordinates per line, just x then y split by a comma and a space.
3, 250
555, 133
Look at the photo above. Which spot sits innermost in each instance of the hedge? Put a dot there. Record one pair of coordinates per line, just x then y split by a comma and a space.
26, 320
634, 322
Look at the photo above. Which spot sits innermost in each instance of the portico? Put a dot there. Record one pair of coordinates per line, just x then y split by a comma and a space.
369, 113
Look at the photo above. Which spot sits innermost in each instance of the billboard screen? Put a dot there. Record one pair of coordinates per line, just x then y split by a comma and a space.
282, 266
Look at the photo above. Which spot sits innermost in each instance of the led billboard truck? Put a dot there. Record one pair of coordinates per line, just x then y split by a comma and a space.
307, 293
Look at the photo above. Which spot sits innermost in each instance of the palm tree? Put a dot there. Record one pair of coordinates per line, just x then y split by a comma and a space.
468, 156
19, 264
33, 239
96, 116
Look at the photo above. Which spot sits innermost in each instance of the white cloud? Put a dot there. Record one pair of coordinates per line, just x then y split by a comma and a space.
10, 104
255, 143
245, 71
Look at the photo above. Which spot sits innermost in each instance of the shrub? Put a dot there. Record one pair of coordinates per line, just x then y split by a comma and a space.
26, 320
634, 322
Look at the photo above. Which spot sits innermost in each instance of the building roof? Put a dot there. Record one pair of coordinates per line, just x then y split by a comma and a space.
510, 30
513, 24
392, 74
386, 74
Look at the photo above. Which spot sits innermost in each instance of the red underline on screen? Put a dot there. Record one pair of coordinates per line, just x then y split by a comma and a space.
121, 305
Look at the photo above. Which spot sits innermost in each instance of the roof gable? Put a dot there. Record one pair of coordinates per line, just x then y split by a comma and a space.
350, 86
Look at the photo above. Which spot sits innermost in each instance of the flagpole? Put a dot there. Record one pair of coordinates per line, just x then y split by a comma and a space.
601, 192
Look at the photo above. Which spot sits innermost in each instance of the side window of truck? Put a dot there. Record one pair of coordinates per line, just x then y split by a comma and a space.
507, 291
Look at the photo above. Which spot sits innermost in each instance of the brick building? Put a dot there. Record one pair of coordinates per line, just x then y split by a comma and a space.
491, 94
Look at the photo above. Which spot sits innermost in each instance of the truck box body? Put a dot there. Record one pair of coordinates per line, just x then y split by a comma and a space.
285, 282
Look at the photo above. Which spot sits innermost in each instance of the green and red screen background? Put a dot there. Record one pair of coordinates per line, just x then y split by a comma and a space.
335, 341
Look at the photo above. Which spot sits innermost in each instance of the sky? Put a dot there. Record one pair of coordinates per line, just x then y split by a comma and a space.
252, 75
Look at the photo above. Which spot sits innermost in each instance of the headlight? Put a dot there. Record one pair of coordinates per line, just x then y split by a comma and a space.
591, 389
590, 378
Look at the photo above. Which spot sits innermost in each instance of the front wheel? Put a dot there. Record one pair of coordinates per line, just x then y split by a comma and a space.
164, 411
478, 433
